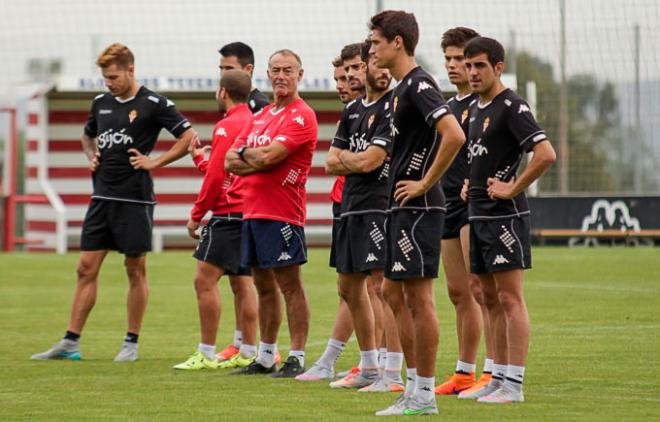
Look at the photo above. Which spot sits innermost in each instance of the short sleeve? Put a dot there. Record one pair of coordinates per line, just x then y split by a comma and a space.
526, 131
425, 95
169, 118
340, 139
298, 130
91, 126
382, 136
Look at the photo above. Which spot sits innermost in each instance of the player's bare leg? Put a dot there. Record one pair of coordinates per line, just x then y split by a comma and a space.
374, 289
245, 303
394, 296
497, 320
209, 310
468, 314
390, 379
138, 291
84, 297
208, 300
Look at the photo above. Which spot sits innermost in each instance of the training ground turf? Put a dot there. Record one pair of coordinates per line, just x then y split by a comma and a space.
594, 352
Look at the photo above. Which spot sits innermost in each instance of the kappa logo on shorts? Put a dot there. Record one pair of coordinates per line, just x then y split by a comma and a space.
371, 258
398, 267
284, 257
499, 259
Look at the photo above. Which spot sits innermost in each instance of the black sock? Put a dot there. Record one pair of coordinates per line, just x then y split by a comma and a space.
71, 336
131, 338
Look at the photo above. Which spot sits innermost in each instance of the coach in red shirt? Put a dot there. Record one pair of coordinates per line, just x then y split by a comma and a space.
274, 154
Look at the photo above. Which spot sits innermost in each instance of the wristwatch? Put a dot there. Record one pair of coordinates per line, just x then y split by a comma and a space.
241, 151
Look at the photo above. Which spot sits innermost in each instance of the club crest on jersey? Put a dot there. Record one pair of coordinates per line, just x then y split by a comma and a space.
464, 116
486, 124
371, 120
132, 116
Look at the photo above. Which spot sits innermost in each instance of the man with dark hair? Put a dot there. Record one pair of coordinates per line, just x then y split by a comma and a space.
359, 151
501, 129
324, 367
416, 203
462, 286
218, 252
120, 133
238, 55
274, 156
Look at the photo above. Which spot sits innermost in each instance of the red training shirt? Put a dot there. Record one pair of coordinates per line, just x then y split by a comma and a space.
337, 189
215, 194
279, 192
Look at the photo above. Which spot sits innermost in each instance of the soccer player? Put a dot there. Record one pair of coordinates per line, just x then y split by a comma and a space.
218, 252
416, 203
462, 286
121, 131
324, 367
501, 130
274, 153
238, 55
233, 56
360, 150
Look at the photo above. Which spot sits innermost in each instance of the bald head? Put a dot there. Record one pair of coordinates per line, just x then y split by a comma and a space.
237, 84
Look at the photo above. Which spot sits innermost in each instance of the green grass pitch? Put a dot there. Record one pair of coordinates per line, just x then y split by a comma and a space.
594, 352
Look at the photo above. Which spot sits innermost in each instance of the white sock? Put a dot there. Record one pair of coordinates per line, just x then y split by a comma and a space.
464, 367
238, 338
393, 365
411, 377
424, 388
514, 377
369, 359
499, 373
331, 353
207, 350
488, 366
382, 356
266, 354
248, 350
300, 355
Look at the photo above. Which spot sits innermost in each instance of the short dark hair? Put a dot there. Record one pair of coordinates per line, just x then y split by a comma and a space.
364, 50
397, 22
351, 50
484, 45
238, 85
457, 37
241, 51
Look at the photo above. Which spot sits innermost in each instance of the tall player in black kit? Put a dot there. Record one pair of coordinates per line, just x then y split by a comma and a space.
501, 130
462, 286
414, 228
359, 151
121, 131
